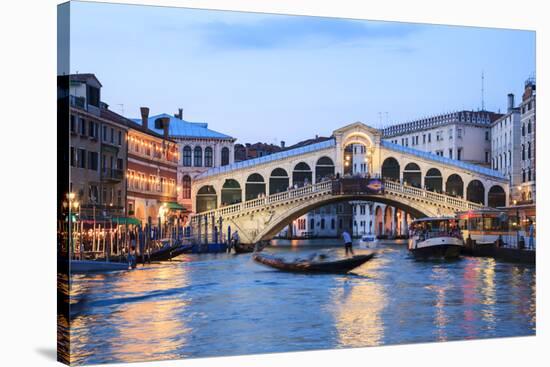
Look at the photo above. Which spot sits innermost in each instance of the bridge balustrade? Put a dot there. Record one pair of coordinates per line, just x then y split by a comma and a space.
326, 187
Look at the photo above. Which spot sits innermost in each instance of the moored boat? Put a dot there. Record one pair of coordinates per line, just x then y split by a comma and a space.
435, 238
313, 266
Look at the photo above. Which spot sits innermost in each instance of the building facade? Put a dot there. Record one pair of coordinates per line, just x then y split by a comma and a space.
199, 149
505, 147
527, 187
152, 171
97, 151
463, 135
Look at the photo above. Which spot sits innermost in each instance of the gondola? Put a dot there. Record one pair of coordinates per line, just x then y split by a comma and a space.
306, 266
241, 248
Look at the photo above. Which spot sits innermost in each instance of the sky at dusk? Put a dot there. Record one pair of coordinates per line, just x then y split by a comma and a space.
261, 77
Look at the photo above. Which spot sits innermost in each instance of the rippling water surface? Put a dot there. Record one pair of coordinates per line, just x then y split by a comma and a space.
219, 304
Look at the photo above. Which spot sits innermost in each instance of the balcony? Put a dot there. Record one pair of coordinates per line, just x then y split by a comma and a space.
112, 174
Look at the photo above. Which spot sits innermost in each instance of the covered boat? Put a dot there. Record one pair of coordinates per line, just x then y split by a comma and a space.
313, 266
435, 238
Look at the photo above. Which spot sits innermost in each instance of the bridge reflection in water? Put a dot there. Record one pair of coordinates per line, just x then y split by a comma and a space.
215, 305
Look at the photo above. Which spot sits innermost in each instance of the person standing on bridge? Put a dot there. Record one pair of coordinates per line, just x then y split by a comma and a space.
348, 244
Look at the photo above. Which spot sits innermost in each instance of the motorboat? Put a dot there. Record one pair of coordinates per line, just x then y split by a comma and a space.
437, 237
368, 241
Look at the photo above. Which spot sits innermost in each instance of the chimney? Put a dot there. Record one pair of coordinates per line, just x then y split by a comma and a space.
510, 102
180, 113
164, 123
282, 143
144, 116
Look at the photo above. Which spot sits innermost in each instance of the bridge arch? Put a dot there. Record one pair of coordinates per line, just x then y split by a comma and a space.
206, 198
231, 192
433, 181
388, 213
454, 185
475, 192
496, 196
254, 187
278, 181
324, 168
391, 169
301, 174
378, 221
278, 222
412, 175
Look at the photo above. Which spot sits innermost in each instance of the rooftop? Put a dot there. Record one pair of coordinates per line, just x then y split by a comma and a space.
179, 128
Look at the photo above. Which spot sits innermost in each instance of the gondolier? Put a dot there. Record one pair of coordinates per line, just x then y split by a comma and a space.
347, 242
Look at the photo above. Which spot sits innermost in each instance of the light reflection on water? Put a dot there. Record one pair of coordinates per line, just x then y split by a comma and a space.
211, 305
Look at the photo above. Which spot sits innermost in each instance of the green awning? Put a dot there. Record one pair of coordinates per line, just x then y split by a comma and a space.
172, 205
126, 220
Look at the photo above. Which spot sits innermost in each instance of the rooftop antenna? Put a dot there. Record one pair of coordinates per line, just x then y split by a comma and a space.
482, 91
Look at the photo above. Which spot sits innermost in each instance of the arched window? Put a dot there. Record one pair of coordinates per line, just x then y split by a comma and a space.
523, 152
225, 156
311, 224
208, 161
322, 223
197, 157
529, 127
186, 187
529, 150
187, 156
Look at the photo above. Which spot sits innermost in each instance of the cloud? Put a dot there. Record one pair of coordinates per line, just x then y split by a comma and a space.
292, 31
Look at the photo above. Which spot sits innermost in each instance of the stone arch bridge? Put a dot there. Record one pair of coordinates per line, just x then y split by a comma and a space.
258, 197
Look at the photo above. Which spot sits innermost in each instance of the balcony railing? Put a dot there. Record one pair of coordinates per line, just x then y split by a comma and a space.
112, 174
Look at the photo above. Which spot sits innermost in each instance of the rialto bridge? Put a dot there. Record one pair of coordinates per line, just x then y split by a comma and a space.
258, 197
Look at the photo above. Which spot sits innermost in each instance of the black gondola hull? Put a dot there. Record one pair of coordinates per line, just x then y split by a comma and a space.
338, 266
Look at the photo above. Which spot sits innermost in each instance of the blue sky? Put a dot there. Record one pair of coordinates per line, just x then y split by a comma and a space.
261, 77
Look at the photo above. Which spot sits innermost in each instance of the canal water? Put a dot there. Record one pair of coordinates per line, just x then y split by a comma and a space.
220, 305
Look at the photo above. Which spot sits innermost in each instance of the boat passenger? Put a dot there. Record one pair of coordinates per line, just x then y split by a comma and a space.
348, 245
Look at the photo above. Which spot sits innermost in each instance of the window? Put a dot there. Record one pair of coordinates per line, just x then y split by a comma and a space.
120, 138
93, 160
186, 187
82, 127
529, 175
486, 156
429, 137
91, 129
450, 134
73, 124
120, 164
81, 158
451, 153
523, 130
459, 154
72, 157
104, 138
187, 156
459, 133
529, 151
322, 223
423, 138
529, 127
197, 157
208, 157
510, 158
522, 175
332, 223
522, 152
93, 96
487, 137
311, 224
112, 135
225, 156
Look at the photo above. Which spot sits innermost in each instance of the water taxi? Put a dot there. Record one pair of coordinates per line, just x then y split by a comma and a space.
368, 241
435, 238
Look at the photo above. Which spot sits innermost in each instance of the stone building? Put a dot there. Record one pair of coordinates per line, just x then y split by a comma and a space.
199, 147
152, 170
527, 187
505, 147
462, 135
97, 151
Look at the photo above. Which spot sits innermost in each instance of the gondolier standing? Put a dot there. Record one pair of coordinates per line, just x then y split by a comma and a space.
347, 243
